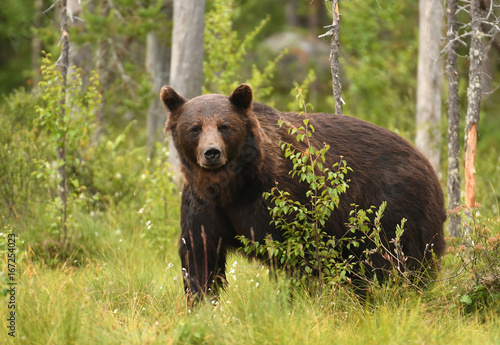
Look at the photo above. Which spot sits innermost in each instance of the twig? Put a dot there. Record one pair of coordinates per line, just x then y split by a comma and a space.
51, 6
453, 276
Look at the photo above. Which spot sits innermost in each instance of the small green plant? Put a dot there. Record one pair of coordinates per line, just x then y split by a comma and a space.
478, 254
307, 248
66, 119
160, 210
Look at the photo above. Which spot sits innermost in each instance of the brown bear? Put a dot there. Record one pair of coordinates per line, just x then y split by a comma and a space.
230, 155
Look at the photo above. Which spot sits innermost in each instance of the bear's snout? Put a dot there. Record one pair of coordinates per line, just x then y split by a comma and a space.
212, 158
212, 154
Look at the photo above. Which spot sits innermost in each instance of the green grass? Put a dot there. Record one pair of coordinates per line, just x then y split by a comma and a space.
128, 293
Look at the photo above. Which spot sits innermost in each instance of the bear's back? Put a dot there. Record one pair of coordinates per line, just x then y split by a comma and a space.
385, 167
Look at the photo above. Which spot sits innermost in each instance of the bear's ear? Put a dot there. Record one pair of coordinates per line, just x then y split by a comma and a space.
242, 96
171, 99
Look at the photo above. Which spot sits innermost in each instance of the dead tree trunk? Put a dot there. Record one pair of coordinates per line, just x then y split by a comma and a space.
186, 68
453, 118
334, 58
429, 81
62, 190
473, 103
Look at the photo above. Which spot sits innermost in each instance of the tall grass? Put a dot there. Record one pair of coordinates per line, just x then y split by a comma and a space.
127, 293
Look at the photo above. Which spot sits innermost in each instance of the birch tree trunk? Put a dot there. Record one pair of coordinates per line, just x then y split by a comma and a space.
473, 103
334, 59
158, 65
62, 190
429, 81
453, 119
186, 69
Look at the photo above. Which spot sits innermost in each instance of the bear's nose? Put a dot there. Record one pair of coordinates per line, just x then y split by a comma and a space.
212, 153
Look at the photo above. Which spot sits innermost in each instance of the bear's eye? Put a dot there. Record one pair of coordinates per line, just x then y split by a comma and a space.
223, 127
195, 129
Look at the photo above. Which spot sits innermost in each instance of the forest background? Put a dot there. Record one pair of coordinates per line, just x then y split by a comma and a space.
113, 275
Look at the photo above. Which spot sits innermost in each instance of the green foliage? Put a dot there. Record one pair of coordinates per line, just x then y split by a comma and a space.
17, 17
304, 87
306, 246
18, 152
160, 210
478, 255
65, 117
119, 278
225, 54
111, 168
380, 46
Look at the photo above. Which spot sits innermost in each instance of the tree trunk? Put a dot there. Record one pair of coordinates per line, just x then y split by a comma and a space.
158, 65
36, 47
453, 119
186, 69
473, 103
334, 58
62, 191
291, 17
103, 67
158, 56
429, 81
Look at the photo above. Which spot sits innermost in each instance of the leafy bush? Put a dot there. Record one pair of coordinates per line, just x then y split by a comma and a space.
18, 152
66, 117
478, 254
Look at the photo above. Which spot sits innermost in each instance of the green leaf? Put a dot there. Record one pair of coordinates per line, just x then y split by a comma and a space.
466, 299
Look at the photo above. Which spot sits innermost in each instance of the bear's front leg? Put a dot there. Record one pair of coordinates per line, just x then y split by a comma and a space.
203, 247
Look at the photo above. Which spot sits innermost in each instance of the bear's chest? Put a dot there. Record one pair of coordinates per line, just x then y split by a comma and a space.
251, 220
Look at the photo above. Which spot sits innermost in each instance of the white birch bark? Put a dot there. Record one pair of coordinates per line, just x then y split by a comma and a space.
428, 134
186, 69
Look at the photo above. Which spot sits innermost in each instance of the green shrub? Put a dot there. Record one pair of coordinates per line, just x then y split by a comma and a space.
66, 117
478, 256
18, 151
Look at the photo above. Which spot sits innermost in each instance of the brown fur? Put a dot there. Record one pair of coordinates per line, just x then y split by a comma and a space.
222, 202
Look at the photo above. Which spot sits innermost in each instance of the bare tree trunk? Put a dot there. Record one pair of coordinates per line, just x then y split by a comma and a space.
158, 65
62, 191
291, 17
474, 103
158, 54
453, 119
102, 65
186, 69
36, 47
334, 58
429, 81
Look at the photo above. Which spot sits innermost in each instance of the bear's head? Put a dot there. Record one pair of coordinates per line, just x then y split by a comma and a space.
210, 131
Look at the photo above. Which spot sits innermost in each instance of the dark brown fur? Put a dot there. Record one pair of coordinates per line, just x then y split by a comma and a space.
220, 202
